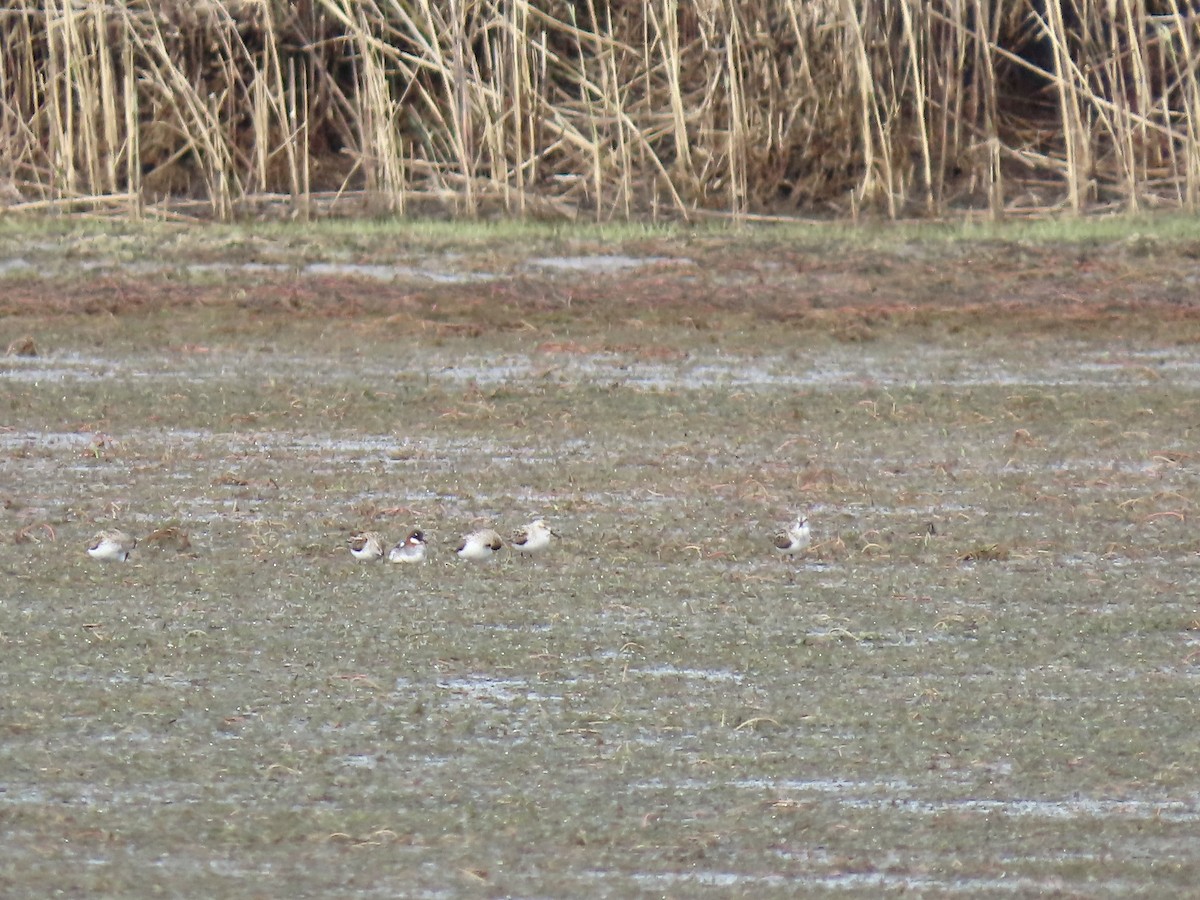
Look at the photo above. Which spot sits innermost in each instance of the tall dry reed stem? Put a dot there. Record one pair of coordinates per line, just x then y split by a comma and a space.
603, 108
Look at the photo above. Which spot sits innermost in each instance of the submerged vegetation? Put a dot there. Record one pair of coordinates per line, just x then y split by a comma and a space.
602, 109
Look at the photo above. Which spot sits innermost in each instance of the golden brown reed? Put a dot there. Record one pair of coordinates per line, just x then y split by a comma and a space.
604, 108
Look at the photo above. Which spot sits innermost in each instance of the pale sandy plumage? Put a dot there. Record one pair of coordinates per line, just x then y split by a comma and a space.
112, 545
409, 550
796, 538
533, 538
366, 545
479, 545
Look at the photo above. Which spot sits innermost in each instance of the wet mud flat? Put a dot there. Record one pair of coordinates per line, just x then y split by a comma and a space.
981, 679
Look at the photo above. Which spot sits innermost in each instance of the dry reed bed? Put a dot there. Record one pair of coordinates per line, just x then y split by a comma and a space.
607, 108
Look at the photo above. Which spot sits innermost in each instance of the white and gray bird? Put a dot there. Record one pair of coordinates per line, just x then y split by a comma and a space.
479, 545
112, 545
794, 539
409, 550
533, 538
366, 545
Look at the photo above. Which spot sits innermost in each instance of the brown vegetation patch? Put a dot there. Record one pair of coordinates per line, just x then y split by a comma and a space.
169, 537
22, 346
852, 295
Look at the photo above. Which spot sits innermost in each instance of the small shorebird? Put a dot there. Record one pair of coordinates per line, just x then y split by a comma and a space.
479, 545
794, 539
533, 538
366, 545
115, 545
409, 550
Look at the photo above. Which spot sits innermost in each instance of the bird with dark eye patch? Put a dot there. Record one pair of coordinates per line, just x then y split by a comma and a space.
409, 550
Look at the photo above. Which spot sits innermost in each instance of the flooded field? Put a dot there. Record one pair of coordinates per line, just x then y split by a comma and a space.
980, 680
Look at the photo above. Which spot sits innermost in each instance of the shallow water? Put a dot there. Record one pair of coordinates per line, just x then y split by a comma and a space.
658, 704
441, 270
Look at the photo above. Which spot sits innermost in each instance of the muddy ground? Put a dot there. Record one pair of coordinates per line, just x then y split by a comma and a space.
980, 680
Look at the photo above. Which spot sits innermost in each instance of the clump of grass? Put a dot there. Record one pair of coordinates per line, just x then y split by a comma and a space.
22, 346
168, 537
987, 553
